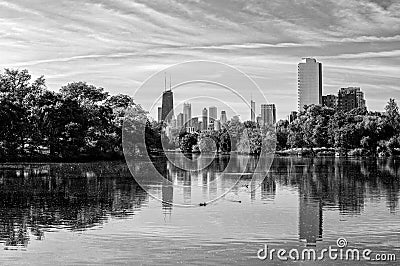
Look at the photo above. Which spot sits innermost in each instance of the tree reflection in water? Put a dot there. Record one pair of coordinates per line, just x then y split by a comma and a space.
35, 199
39, 198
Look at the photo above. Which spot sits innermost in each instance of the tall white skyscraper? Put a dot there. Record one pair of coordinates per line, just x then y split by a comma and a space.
309, 83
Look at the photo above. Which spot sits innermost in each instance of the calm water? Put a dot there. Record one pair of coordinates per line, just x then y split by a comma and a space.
96, 213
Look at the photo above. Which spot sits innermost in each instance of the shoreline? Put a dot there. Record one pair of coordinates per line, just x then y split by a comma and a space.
296, 152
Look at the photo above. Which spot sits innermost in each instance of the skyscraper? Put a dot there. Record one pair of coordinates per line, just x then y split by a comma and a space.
350, 98
217, 125
187, 114
253, 111
179, 122
223, 117
159, 113
213, 114
309, 83
205, 119
259, 121
268, 114
167, 106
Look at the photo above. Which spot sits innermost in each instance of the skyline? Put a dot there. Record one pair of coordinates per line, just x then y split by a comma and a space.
118, 45
209, 114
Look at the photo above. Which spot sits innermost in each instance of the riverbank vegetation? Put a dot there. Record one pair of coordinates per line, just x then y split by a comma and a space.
318, 130
356, 133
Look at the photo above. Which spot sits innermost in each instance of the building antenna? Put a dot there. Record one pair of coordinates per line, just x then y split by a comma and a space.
170, 82
165, 81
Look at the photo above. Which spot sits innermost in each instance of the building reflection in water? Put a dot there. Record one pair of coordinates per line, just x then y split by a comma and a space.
338, 184
268, 188
310, 220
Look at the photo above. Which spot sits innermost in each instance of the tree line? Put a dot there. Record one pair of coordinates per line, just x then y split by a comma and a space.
78, 121
317, 128
357, 132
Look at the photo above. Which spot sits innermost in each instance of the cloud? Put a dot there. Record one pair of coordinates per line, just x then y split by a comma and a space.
118, 44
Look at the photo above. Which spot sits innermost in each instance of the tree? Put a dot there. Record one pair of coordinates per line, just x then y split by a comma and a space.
392, 116
11, 121
187, 141
209, 141
224, 140
83, 93
282, 134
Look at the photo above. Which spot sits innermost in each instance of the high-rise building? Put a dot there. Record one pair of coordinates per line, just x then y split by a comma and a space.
167, 106
187, 114
309, 83
205, 119
268, 114
253, 111
195, 123
259, 121
223, 118
330, 101
159, 114
179, 122
217, 125
212, 113
350, 98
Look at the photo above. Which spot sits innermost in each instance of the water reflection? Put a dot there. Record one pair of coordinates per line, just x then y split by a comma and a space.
39, 198
333, 183
36, 199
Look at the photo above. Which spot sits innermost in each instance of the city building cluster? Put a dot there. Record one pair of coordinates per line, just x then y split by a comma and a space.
309, 92
208, 120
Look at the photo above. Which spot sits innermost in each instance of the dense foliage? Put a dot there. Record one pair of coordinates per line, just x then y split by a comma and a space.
80, 121
359, 131
244, 137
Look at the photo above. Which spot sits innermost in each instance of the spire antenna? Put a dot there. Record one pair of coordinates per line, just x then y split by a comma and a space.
165, 81
170, 87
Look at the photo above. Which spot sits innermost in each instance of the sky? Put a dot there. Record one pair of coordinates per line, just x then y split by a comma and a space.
120, 44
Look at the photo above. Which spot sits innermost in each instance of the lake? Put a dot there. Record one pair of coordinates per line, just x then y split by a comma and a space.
96, 213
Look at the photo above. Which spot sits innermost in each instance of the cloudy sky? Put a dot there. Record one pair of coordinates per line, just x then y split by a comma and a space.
118, 44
